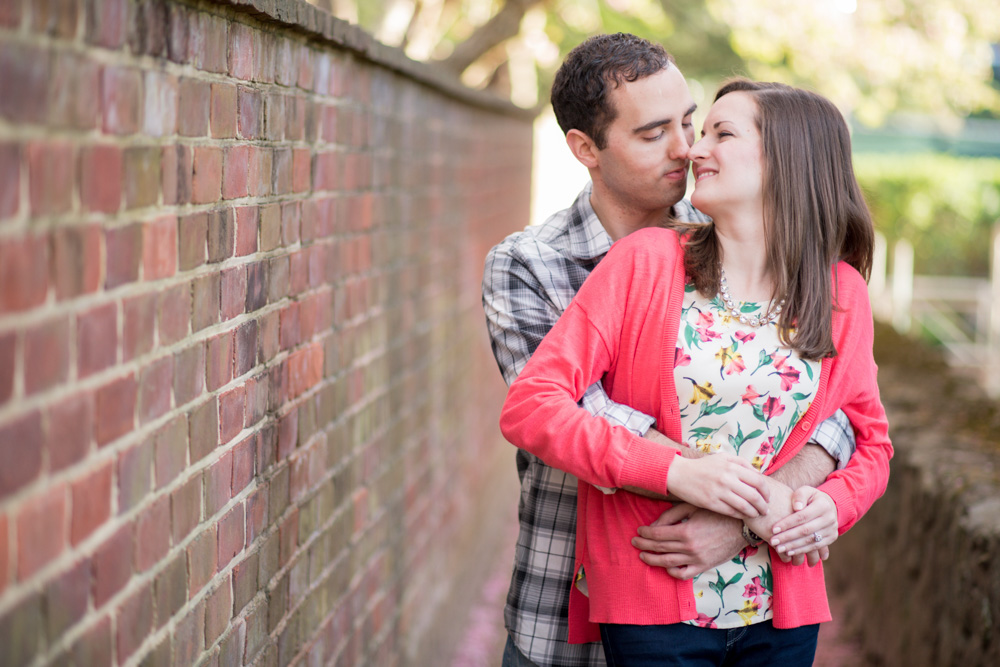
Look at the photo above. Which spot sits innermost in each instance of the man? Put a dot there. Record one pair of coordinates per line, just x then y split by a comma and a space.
627, 114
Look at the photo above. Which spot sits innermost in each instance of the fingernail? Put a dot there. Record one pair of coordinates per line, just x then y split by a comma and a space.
791, 553
798, 506
775, 541
775, 530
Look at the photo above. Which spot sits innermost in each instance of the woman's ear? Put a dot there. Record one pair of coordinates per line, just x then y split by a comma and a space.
583, 148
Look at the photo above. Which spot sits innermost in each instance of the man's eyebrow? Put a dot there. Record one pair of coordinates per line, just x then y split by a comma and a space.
663, 121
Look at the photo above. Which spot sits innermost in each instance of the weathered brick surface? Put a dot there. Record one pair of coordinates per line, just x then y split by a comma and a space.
240, 332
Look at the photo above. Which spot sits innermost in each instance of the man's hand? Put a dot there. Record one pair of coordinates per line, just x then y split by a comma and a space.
687, 540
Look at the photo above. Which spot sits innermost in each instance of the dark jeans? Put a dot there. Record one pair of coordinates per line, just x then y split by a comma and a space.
512, 657
682, 645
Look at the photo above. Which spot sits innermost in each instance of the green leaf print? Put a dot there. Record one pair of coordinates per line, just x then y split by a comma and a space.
800, 396
767, 578
763, 360
691, 337
713, 409
721, 585
738, 440
809, 369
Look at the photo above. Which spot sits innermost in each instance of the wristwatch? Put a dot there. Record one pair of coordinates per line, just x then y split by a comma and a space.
751, 537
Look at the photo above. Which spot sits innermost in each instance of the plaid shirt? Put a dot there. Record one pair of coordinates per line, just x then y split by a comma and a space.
529, 280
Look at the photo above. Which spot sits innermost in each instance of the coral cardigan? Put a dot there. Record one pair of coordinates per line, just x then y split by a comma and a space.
623, 326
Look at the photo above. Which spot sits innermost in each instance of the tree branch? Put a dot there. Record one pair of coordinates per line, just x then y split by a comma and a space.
505, 24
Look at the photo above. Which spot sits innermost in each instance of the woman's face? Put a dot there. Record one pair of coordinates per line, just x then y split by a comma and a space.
727, 161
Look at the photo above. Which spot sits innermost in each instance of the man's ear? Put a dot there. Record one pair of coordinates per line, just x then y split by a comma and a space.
583, 148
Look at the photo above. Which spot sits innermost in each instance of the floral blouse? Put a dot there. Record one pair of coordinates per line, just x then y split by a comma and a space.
741, 392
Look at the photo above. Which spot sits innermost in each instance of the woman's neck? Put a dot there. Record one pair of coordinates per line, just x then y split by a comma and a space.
744, 261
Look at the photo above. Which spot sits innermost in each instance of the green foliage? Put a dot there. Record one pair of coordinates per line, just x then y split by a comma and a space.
944, 205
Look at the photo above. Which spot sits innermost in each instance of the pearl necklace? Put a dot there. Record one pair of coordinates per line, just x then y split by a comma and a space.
750, 320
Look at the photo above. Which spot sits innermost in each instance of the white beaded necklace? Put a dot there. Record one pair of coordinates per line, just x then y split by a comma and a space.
750, 320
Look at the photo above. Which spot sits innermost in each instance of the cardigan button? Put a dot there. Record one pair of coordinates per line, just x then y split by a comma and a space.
806, 425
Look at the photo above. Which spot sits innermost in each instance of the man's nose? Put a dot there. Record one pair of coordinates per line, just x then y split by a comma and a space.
678, 146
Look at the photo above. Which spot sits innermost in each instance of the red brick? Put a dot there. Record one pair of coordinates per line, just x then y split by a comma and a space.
207, 176
301, 170
193, 234
218, 611
202, 560
101, 178
70, 430
223, 112
194, 109
10, 14
4, 553
123, 255
205, 301
274, 113
171, 589
259, 176
291, 223
91, 503
295, 117
234, 292
162, 92
326, 171
219, 366
221, 234
10, 179
204, 429
26, 69
218, 484
121, 99
46, 355
246, 230
139, 314
50, 177
306, 57
235, 183
135, 621
246, 348
288, 536
243, 464
76, 260
249, 109
270, 226
22, 630
93, 647
115, 409
268, 337
285, 65
107, 23
24, 280
155, 385
257, 513
189, 374
151, 540
256, 408
185, 509
41, 536
159, 248
209, 41
54, 17
231, 409
231, 535
97, 339
170, 452
112, 565
141, 166
282, 184
74, 92
189, 636
176, 167
305, 369
174, 313
135, 476
288, 434
66, 599
290, 333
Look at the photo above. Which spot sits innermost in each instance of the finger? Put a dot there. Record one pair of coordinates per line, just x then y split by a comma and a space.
813, 558
664, 560
800, 497
798, 559
676, 514
797, 519
683, 573
810, 542
806, 532
657, 546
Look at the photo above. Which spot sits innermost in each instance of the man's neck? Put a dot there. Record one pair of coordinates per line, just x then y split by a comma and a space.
620, 220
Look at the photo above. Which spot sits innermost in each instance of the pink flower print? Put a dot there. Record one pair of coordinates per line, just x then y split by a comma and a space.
754, 589
766, 447
750, 395
681, 358
730, 360
745, 336
704, 621
704, 328
781, 363
789, 374
772, 408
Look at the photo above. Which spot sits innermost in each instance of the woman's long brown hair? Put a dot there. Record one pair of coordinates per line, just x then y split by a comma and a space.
814, 212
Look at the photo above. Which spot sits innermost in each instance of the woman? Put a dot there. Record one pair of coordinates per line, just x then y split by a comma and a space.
738, 337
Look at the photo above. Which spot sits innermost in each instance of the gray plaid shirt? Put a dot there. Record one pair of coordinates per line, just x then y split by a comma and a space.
529, 280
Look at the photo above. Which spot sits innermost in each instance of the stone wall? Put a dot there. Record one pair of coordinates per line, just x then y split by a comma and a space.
919, 575
243, 362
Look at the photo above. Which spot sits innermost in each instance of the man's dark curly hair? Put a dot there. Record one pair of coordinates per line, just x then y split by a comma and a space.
580, 91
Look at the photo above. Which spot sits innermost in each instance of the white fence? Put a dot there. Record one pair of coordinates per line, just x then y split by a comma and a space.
962, 313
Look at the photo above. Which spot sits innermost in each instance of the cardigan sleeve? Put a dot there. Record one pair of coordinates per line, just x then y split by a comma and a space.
541, 414
855, 488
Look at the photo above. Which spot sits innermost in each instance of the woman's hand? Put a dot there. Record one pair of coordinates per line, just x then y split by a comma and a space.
811, 527
721, 483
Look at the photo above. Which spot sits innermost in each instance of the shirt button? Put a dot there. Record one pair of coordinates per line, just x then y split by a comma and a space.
806, 425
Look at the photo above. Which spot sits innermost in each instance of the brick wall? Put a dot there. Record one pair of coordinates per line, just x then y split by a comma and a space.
918, 577
245, 386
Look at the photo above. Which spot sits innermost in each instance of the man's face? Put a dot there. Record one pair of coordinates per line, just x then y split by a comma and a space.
644, 164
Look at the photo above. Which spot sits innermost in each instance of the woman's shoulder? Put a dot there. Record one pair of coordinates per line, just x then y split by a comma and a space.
848, 281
